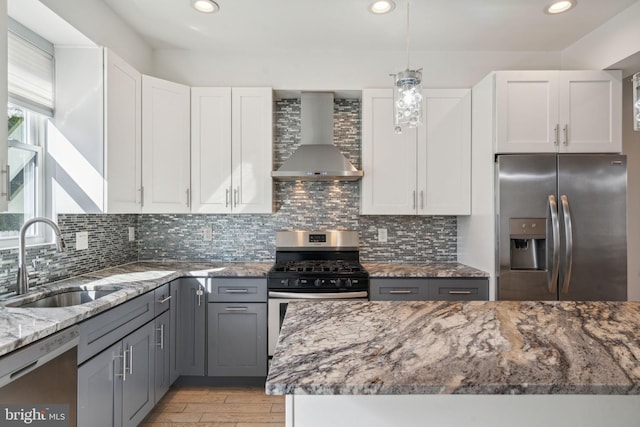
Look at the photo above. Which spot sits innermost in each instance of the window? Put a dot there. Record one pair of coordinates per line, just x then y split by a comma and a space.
30, 105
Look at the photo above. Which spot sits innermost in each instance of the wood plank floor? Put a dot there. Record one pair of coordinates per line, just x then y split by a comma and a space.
217, 407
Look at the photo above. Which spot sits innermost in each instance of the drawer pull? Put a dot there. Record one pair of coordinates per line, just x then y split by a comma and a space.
236, 309
162, 301
236, 291
459, 292
400, 291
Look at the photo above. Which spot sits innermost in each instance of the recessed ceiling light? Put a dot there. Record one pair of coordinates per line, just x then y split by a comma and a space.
205, 6
380, 7
561, 6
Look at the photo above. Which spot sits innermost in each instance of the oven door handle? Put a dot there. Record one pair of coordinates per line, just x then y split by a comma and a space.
319, 295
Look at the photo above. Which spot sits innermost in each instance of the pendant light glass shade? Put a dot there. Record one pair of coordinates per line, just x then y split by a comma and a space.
407, 92
407, 99
636, 101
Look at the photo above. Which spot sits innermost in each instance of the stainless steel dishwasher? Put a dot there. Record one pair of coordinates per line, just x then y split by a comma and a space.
40, 381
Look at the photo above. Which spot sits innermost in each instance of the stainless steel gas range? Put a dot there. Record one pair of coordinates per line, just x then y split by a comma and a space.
313, 265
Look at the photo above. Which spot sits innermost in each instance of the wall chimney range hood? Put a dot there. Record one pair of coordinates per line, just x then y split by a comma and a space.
316, 159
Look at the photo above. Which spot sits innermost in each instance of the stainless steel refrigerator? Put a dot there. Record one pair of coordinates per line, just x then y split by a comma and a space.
561, 227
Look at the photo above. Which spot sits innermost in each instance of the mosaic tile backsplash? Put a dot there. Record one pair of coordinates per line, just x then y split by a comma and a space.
238, 237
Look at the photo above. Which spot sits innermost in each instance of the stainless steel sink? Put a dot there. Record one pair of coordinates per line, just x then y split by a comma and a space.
63, 299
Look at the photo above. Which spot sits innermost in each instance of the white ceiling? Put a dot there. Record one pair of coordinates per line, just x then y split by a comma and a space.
436, 25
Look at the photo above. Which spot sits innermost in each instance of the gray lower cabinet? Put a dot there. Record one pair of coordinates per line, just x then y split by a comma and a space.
237, 328
116, 387
424, 289
162, 354
191, 325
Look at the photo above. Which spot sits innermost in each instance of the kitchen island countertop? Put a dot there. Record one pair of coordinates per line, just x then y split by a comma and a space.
22, 326
429, 347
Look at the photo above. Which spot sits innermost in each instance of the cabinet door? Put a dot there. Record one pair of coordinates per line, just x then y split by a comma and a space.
191, 326
590, 111
99, 389
251, 157
174, 371
211, 150
123, 135
388, 159
526, 111
166, 126
138, 387
237, 339
162, 346
444, 153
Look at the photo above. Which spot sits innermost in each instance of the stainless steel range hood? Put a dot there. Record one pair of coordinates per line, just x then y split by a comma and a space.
317, 159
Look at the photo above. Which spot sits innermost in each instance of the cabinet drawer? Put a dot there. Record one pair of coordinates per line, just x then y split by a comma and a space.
398, 290
458, 289
238, 290
101, 331
162, 297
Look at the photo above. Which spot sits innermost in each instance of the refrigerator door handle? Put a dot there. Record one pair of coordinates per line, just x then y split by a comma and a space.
555, 234
568, 233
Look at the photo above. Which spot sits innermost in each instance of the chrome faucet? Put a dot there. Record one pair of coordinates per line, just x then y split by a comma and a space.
22, 285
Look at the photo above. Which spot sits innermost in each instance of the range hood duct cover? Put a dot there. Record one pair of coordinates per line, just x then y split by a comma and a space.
317, 159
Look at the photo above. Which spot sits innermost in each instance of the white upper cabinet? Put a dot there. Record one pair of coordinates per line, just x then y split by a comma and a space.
444, 148
123, 135
558, 111
231, 150
423, 172
166, 125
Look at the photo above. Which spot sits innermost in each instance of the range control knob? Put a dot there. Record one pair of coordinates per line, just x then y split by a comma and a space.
348, 283
284, 282
297, 283
338, 283
318, 283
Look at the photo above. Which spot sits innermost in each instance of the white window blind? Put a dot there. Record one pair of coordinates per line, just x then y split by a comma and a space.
30, 75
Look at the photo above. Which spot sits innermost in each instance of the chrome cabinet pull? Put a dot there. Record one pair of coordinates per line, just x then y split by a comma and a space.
236, 291
123, 356
199, 293
162, 301
556, 132
188, 197
459, 292
236, 196
226, 198
568, 236
161, 330
552, 278
142, 196
236, 309
421, 199
130, 360
565, 131
414, 199
400, 291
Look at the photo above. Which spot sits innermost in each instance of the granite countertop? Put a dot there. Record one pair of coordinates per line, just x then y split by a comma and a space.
22, 326
479, 347
430, 269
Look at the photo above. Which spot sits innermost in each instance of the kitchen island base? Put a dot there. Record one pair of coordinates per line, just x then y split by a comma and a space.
462, 410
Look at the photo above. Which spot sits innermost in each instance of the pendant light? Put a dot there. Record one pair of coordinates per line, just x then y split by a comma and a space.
407, 92
636, 101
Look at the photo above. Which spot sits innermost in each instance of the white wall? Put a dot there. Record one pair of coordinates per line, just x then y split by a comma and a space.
337, 70
99, 23
612, 42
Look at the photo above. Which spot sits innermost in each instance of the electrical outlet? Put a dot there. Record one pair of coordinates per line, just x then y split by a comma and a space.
382, 235
132, 234
82, 240
207, 234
